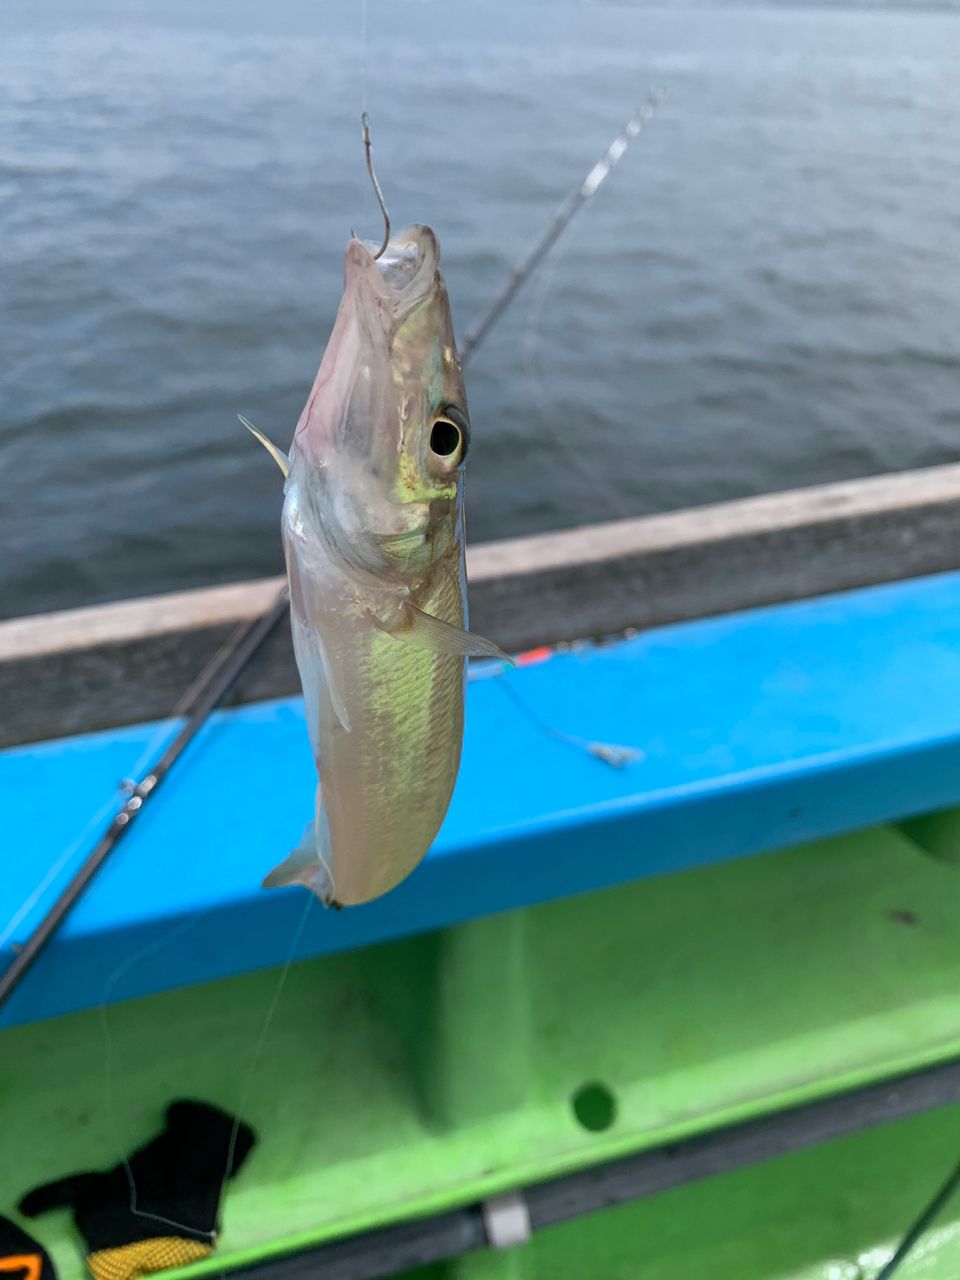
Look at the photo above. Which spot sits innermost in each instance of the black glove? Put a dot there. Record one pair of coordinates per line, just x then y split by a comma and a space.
21, 1258
161, 1208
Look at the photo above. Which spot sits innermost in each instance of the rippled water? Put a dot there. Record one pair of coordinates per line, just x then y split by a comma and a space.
765, 294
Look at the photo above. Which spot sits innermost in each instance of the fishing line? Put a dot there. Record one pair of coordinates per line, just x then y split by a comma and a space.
197, 691
282, 600
363, 89
258, 1050
298, 933
610, 753
124, 967
363, 57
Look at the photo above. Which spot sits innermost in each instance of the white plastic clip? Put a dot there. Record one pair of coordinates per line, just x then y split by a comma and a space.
507, 1220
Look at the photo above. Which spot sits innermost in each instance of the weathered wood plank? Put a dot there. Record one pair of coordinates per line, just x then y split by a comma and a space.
82, 669
130, 621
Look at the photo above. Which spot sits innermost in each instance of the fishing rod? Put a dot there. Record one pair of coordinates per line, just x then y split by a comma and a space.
921, 1225
558, 223
210, 689
227, 666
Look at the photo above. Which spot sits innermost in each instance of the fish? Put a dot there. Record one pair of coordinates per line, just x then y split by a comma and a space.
373, 536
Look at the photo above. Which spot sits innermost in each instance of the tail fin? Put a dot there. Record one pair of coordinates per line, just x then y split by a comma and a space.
303, 866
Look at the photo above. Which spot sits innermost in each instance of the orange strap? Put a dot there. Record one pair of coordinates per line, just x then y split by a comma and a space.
31, 1264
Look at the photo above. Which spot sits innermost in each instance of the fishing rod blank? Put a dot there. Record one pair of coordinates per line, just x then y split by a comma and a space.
224, 672
213, 685
922, 1224
561, 219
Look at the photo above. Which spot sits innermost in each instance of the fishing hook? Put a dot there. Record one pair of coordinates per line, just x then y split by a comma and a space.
368, 148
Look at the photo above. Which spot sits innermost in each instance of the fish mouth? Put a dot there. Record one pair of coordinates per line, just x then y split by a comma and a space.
410, 259
406, 271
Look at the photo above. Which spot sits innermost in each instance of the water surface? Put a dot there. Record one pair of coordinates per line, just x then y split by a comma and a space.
766, 293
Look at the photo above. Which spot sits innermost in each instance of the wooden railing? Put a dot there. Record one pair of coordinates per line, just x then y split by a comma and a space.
84, 669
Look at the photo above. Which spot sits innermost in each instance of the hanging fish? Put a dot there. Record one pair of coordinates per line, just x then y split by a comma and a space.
374, 541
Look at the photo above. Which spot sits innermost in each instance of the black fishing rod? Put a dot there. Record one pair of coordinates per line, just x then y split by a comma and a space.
210, 689
920, 1226
226, 668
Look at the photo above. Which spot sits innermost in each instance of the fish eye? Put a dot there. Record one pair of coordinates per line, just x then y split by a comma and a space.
445, 437
449, 437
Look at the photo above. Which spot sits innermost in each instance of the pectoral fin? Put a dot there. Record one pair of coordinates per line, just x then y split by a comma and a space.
424, 631
279, 457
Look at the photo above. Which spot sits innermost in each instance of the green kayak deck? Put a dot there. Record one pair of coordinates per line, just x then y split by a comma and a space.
421, 1075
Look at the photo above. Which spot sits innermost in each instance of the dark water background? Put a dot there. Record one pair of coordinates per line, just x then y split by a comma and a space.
766, 293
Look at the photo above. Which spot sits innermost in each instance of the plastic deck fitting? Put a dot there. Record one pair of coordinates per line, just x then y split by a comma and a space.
759, 730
